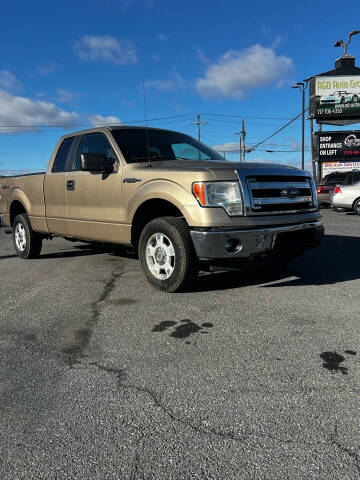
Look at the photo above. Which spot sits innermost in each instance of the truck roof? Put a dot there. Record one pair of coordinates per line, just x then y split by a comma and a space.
117, 127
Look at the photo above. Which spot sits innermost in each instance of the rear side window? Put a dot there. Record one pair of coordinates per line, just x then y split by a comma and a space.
348, 179
356, 177
335, 180
62, 155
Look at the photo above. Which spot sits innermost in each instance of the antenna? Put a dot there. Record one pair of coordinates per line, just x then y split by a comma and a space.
146, 126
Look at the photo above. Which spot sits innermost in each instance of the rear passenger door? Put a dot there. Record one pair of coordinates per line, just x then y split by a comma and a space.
54, 187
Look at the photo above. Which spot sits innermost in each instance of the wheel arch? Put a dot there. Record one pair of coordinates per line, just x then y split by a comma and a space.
356, 200
149, 210
16, 208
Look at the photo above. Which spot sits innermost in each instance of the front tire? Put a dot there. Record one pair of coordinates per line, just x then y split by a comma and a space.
27, 243
167, 255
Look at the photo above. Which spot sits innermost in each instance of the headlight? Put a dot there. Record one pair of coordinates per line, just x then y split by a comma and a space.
219, 194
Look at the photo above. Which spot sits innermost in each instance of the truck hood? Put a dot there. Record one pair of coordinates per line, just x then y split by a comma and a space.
225, 170
210, 165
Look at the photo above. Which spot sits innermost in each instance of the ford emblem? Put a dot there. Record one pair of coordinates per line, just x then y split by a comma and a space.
290, 192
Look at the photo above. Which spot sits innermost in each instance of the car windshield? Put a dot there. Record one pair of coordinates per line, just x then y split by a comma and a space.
137, 145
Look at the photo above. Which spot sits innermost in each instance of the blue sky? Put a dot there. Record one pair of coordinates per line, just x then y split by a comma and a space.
83, 62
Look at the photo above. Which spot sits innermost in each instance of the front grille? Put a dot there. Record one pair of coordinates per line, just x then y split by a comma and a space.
280, 194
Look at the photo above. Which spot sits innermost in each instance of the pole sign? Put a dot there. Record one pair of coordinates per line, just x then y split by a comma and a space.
343, 146
332, 167
335, 97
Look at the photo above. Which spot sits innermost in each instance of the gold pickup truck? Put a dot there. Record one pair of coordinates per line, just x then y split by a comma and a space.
181, 205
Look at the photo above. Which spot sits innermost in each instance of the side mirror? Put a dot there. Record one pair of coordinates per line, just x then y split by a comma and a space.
96, 162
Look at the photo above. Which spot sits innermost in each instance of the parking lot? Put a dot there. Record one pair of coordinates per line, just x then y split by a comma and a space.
250, 376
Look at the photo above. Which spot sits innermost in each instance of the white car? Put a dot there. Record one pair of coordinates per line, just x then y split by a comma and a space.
347, 197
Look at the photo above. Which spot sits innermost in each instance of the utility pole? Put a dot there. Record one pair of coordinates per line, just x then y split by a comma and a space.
243, 135
240, 147
313, 151
301, 86
198, 123
319, 164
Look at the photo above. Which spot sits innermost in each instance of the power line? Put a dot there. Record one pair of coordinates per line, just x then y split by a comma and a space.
75, 125
245, 116
277, 131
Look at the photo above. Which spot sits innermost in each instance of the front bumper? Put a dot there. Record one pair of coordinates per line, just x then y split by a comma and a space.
231, 244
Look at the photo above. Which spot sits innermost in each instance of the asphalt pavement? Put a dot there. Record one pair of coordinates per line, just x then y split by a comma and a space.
250, 376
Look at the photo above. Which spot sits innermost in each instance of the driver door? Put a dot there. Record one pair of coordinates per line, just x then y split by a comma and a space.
93, 199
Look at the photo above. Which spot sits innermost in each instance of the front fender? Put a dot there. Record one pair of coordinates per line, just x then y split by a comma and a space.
162, 190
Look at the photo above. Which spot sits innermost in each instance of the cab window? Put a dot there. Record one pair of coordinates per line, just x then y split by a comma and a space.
94, 143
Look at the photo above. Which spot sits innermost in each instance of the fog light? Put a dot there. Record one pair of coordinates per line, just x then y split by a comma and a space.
233, 245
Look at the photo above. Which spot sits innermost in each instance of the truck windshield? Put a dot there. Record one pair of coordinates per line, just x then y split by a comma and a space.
162, 145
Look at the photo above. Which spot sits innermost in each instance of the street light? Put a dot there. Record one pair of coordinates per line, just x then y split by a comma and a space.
301, 86
342, 43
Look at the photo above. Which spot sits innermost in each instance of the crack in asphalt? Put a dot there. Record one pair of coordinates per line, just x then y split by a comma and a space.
83, 335
136, 467
121, 376
344, 449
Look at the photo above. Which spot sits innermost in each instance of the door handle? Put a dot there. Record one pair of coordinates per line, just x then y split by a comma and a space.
70, 185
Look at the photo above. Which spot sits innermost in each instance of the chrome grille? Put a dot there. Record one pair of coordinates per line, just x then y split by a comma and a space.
280, 194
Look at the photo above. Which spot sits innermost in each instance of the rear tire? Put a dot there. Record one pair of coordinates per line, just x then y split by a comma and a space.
27, 243
167, 255
356, 206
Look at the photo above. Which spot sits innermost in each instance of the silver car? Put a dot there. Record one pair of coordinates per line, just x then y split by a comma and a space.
347, 197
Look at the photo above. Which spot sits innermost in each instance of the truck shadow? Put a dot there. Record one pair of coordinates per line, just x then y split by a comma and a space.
84, 249
336, 260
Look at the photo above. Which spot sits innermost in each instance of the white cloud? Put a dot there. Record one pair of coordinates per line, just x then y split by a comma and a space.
201, 56
8, 81
106, 48
227, 147
279, 39
162, 37
48, 69
67, 96
125, 101
238, 72
21, 112
175, 82
98, 120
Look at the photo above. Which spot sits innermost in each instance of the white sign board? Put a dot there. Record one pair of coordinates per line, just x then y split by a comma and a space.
347, 84
330, 167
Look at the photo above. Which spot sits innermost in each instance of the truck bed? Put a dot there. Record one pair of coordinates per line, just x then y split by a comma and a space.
27, 189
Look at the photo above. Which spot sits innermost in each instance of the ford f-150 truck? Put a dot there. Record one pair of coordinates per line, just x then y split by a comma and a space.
177, 202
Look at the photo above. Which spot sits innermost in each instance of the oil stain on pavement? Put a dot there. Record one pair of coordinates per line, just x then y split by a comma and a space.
182, 329
332, 361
